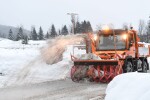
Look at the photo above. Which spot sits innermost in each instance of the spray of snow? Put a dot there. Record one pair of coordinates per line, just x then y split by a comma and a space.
53, 52
54, 62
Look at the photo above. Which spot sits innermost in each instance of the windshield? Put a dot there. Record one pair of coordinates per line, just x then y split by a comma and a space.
106, 42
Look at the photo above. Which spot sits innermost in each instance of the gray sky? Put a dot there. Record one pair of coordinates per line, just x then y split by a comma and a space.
46, 12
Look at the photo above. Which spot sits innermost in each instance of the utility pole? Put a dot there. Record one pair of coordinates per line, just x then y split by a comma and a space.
72, 20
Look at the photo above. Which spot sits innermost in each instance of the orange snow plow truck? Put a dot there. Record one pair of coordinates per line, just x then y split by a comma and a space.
110, 53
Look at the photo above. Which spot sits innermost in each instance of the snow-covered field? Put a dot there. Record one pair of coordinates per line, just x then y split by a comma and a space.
14, 56
26, 64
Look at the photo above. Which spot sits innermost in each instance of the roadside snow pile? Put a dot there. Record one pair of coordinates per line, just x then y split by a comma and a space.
129, 86
14, 56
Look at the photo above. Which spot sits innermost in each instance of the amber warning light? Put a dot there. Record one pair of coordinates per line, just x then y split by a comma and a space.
124, 36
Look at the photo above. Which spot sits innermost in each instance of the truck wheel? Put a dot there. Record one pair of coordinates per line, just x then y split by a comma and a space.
128, 67
144, 67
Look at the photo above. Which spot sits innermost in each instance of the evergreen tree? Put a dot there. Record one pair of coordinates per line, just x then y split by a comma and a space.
59, 32
20, 34
64, 30
41, 36
84, 27
34, 34
53, 31
10, 35
47, 35
89, 27
18, 37
78, 28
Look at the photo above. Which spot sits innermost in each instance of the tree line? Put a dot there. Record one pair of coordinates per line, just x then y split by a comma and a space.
80, 27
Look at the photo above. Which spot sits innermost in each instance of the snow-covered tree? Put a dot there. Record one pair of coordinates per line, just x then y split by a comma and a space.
78, 28
41, 36
10, 36
47, 35
64, 30
20, 34
89, 27
59, 32
53, 31
34, 34
86, 27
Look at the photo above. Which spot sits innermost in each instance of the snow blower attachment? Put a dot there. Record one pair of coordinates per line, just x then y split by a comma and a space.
110, 53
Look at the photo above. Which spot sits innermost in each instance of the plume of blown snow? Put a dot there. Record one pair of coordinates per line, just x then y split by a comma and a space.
54, 51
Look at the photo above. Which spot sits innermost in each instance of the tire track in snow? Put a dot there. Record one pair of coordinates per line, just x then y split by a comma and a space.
82, 90
25, 71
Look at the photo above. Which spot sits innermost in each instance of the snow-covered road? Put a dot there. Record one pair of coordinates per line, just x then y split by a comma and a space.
54, 90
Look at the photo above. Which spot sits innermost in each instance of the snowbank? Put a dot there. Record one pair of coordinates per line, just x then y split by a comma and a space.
130, 86
14, 56
24, 64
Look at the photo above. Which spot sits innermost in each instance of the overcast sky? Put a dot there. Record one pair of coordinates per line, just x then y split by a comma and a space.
46, 12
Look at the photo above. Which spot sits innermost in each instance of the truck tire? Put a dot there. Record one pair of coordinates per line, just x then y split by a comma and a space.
144, 67
128, 67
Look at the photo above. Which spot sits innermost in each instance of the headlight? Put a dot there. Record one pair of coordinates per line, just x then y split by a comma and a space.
95, 37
